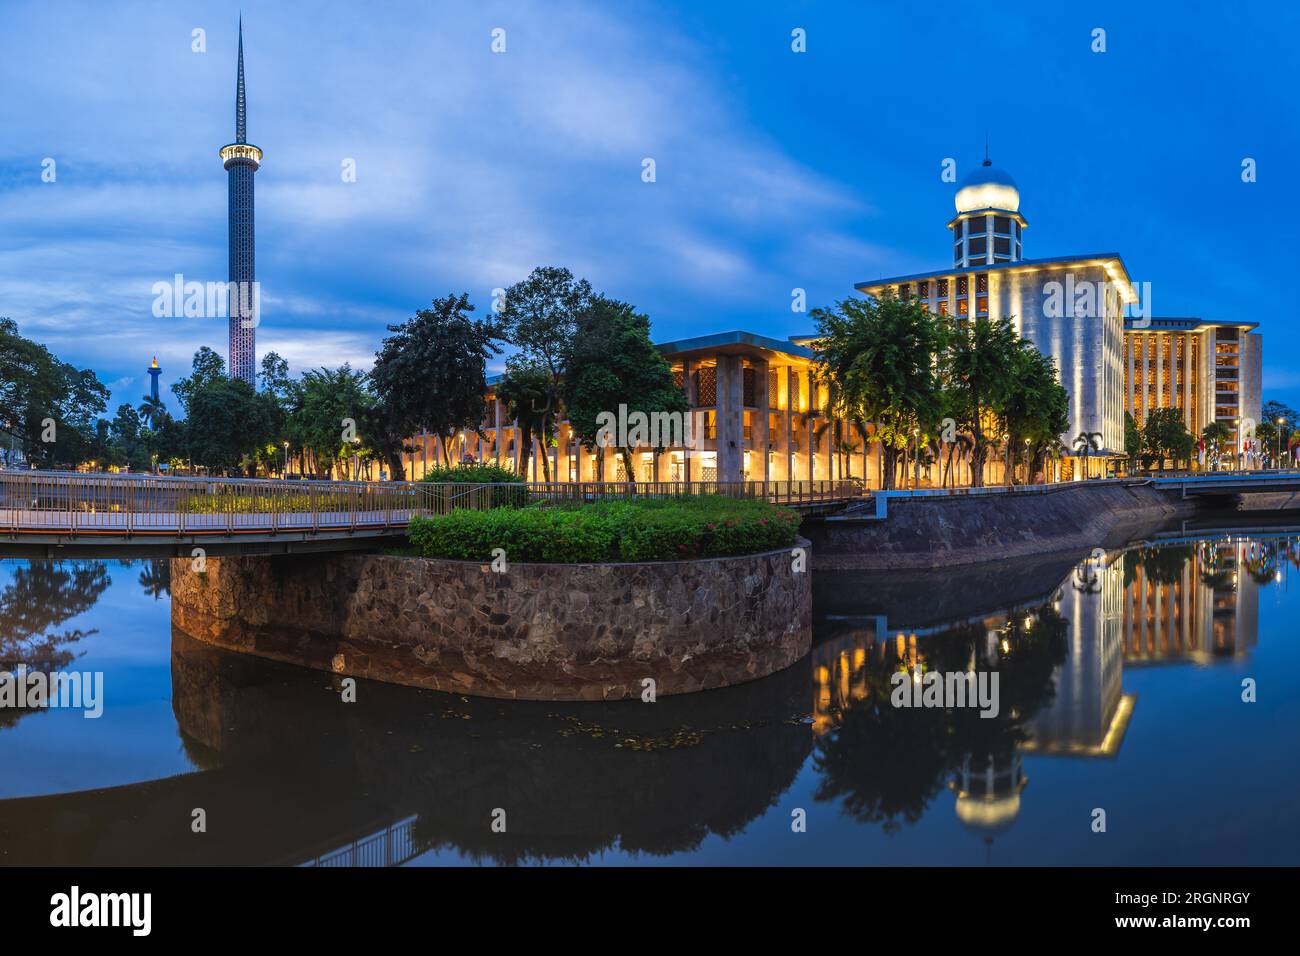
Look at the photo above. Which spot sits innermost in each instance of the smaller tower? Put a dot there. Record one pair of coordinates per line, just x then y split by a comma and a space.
154, 372
988, 226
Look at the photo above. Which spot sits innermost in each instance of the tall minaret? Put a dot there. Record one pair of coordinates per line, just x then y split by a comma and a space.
154, 372
241, 160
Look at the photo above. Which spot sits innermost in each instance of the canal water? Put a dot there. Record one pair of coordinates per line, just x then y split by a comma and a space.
1121, 735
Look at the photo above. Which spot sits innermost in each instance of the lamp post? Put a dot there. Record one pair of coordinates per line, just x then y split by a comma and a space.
1277, 456
285, 474
916, 459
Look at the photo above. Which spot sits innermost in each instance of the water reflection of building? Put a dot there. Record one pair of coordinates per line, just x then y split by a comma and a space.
1090, 711
1194, 602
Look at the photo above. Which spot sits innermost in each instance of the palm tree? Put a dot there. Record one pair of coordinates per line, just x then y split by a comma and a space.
1086, 443
152, 410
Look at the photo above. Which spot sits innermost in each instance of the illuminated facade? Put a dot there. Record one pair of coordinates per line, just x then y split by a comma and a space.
241, 160
1209, 371
1071, 307
756, 415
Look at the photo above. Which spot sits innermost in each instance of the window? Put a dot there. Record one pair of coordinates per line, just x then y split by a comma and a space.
956, 231
963, 307
975, 227
978, 247
943, 306
905, 291
706, 380
961, 285
923, 289
1001, 246
982, 283
942, 285
1001, 223
956, 253
982, 304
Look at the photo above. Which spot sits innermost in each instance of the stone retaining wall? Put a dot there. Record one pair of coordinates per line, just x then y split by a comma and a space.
934, 532
536, 631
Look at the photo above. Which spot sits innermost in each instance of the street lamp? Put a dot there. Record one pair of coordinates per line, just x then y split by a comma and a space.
1277, 457
916, 459
285, 473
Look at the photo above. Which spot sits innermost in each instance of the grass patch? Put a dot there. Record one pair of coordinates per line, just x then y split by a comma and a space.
670, 529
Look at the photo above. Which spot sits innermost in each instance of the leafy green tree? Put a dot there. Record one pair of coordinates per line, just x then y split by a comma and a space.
978, 373
1165, 435
326, 401
207, 368
126, 433
879, 357
1133, 446
1035, 409
431, 375
526, 392
42, 398
540, 316
228, 421
613, 362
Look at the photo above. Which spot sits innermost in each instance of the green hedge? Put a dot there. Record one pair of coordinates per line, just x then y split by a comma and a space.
479, 475
649, 530
475, 474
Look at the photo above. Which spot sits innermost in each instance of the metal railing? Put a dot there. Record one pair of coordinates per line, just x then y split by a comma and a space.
129, 505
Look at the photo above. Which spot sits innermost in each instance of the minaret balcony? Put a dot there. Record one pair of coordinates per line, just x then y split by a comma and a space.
242, 154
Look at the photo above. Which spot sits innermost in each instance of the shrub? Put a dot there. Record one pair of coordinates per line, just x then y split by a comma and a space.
475, 474
479, 475
647, 530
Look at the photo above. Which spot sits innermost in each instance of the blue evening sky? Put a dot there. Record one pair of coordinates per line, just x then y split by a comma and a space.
775, 169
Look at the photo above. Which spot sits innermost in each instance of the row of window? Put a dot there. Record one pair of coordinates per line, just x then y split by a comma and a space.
978, 226
924, 287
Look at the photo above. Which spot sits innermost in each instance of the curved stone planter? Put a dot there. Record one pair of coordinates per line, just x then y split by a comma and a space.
536, 632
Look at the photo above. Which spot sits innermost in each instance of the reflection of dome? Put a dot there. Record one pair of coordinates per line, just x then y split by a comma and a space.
988, 188
988, 800
981, 813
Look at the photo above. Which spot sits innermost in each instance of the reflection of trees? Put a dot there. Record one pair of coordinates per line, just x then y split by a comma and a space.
1162, 564
156, 578
38, 598
576, 778
886, 764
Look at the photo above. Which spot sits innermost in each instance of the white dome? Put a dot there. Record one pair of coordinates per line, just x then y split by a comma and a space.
988, 188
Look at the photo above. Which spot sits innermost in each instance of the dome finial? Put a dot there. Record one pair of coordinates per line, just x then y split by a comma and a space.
987, 161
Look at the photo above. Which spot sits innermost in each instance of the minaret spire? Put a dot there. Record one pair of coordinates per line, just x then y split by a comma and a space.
241, 109
987, 161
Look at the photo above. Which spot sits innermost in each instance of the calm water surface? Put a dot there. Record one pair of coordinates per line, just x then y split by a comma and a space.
1120, 688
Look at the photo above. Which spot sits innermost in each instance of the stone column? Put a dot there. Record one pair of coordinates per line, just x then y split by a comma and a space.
730, 418
497, 417
812, 439
762, 423
1160, 370
692, 401
791, 405
1146, 369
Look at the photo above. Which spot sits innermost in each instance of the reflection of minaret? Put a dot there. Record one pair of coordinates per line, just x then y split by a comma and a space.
154, 372
1090, 712
988, 792
241, 161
